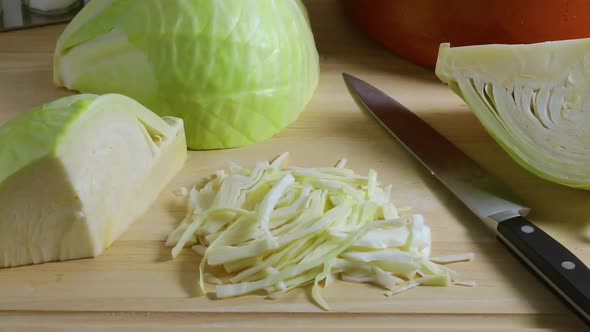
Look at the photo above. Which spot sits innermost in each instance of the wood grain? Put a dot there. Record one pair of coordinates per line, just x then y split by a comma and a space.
135, 285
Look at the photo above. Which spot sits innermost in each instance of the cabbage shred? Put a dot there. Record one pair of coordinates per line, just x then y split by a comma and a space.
274, 229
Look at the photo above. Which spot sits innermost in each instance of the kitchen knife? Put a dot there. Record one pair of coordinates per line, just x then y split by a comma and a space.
485, 196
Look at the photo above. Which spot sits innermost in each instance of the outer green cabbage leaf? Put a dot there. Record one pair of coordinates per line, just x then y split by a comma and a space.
533, 99
236, 72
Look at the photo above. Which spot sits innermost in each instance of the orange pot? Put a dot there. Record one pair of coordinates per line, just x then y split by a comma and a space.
415, 28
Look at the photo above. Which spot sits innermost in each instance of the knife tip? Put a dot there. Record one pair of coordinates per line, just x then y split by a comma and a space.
350, 80
347, 76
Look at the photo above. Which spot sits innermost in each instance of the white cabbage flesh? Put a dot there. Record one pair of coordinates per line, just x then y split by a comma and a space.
77, 172
533, 99
273, 229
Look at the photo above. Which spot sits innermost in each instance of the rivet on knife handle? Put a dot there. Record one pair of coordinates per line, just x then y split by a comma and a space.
559, 267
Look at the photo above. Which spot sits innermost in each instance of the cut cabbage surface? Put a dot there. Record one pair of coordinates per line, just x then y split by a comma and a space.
236, 71
533, 99
75, 173
273, 229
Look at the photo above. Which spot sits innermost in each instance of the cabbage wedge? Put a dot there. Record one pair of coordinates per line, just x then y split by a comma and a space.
533, 99
77, 172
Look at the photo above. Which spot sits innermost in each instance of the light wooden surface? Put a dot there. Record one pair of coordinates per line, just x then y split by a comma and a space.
135, 285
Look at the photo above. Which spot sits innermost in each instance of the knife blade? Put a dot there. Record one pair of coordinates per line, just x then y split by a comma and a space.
488, 198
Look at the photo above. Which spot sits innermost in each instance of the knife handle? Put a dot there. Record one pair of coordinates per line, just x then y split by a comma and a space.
559, 267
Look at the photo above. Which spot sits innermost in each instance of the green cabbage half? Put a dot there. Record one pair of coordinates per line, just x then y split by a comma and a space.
236, 71
533, 99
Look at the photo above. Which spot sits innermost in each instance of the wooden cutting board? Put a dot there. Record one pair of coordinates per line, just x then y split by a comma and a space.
135, 284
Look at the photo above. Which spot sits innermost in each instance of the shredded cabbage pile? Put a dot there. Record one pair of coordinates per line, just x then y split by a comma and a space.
274, 229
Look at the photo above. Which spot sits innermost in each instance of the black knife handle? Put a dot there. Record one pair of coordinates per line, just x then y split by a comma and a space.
559, 267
